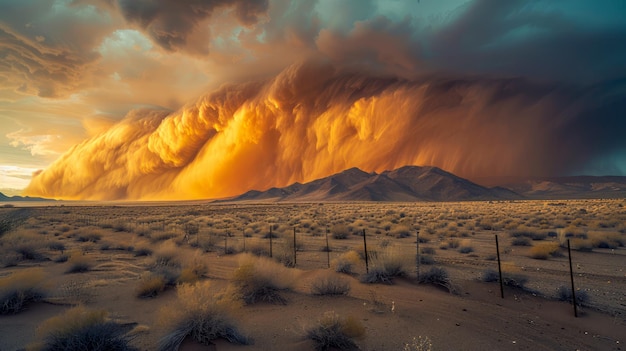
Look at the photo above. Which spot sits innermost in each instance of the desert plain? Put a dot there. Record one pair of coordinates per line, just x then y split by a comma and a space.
431, 279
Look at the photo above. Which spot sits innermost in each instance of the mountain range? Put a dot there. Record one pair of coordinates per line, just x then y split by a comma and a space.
4, 198
414, 183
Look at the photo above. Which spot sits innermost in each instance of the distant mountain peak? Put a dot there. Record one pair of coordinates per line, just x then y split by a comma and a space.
408, 183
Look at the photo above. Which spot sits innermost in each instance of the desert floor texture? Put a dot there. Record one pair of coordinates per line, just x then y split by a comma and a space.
105, 257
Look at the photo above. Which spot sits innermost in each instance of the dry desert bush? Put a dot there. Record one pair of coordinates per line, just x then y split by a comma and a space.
346, 262
542, 251
387, 264
332, 332
79, 262
262, 279
330, 283
80, 329
201, 313
21, 288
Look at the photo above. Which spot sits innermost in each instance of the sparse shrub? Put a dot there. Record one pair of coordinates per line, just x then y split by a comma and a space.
334, 332
401, 231
542, 251
202, 314
167, 254
565, 294
437, 276
346, 262
20, 289
261, 279
61, 258
427, 250
427, 259
521, 241
28, 251
82, 329
79, 263
509, 278
340, 231
88, 237
330, 284
143, 251
386, 265
150, 285
581, 244
419, 344
465, 247
56, 245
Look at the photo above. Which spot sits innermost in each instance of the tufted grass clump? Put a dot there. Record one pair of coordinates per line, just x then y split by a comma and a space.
330, 284
20, 289
334, 332
261, 279
81, 329
346, 262
202, 314
386, 265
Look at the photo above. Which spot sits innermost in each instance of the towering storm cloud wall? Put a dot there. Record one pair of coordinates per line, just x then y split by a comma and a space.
316, 118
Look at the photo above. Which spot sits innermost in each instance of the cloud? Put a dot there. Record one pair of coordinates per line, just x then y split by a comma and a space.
178, 25
314, 119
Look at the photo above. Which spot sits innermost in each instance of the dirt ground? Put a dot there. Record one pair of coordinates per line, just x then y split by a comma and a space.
122, 242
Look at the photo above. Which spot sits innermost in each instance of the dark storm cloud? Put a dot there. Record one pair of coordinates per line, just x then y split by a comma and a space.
170, 23
46, 49
534, 39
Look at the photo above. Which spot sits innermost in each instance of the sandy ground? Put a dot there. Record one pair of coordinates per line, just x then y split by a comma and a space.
475, 318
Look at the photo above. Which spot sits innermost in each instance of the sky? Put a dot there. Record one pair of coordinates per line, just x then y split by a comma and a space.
188, 99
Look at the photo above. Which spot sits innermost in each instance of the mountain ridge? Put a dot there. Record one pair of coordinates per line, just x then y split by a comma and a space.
404, 184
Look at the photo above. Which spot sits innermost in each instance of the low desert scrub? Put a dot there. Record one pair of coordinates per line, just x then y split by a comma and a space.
386, 265
528, 232
346, 262
465, 246
419, 344
202, 314
333, 332
565, 294
401, 231
521, 241
606, 240
330, 284
79, 263
80, 329
20, 289
261, 279
150, 285
580, 244
543, 251
510, 277
167, 254
437, 276
340, 231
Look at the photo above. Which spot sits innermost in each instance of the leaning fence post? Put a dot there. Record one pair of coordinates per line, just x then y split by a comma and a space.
499, 268
367, 267
571, 276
